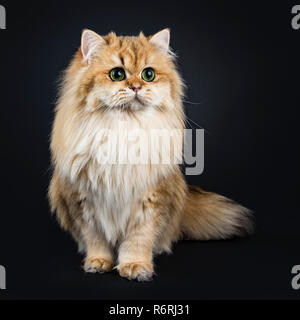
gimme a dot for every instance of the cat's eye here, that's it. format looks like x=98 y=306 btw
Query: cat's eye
x=148 y=74
x=117 y=74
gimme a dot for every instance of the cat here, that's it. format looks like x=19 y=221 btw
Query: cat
x=121 y=215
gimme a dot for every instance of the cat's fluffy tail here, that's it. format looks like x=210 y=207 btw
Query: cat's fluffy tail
x=208 y=216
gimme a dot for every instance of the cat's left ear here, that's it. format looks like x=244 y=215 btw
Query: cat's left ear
x=91 y=42
x=162 y=40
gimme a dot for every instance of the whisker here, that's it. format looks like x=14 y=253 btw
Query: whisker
x=190 y=102
x=200 y=127
x=189 y=123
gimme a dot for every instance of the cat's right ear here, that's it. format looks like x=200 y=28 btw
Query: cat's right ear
x=91 y=42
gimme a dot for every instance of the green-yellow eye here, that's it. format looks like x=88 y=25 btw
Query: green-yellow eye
x=148 y=74
x=117 y=74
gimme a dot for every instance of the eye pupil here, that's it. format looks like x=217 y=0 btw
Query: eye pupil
x=148 y=74
x=117 y=74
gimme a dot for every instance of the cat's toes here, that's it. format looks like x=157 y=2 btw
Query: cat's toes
x=136 y=271
x=100 y=265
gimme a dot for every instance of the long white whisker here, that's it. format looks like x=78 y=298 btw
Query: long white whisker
x=187 y=119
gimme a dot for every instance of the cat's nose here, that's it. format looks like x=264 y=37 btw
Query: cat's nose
x=135 y=89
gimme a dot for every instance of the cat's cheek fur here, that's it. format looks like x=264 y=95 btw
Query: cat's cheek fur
x=161 y=93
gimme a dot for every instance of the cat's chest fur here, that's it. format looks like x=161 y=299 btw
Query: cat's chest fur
x=114 y=191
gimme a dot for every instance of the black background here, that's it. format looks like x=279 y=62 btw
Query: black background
x=240 y=61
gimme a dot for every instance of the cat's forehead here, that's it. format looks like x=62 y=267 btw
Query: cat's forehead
x=131 y=52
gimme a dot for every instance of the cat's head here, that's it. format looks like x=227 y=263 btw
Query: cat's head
x=126 y=73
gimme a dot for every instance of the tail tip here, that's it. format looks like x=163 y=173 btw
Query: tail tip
x=244 y=222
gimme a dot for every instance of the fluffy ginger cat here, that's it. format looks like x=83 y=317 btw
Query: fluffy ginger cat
x=122 y=214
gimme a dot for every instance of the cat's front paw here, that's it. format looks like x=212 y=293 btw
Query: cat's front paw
x=136 y=271
x=94 y=265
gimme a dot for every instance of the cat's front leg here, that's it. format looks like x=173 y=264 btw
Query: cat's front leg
x=135 y=259
x=135 y=256
x=99 y=254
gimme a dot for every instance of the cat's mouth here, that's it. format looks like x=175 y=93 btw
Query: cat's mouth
x=134 y=103
x=139 y=100
x=130 y=102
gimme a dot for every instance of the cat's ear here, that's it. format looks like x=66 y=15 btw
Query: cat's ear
x=91 y=42
x=162 y=40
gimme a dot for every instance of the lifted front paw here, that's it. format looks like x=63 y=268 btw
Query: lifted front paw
x=136 y=271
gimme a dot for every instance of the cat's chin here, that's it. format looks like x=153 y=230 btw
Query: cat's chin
x=137 y=104
x=133 y=105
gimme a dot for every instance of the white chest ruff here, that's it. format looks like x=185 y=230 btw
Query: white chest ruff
x=114 y=192
x=112 y=207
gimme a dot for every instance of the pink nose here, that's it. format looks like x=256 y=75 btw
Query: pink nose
x=135 y=89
